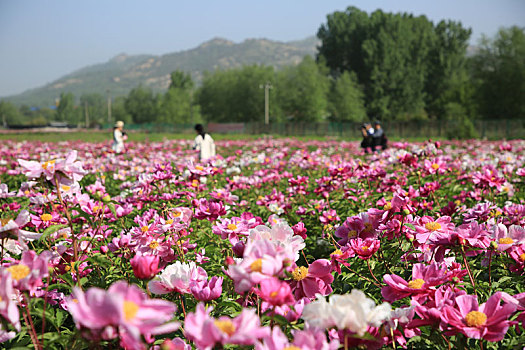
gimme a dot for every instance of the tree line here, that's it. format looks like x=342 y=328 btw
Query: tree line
x=385 y=66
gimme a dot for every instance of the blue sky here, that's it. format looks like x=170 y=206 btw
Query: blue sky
x=42 y=40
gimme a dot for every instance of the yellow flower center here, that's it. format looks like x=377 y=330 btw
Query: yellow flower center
x=169 y=222
x=432 y=226
x=232 y=227
x=256 y=266
x=435 y=166
x=46 y=217
x=45 y=165
x=337 y=252
x=352 y=233
x=198 y=167
x=144 y=229
x=300 y=273
x=522 y=257
x=506 y=240
x=225 y=326
x=130 y=310
x=292 y=347
x=273 y=294
x=4 y=221
x=330 y=217
x=195 y=183
x=154 y=245
x=475 y=319
x=368 y=227
x=176 y=214
x=19 y=271
x=365 y=248
x=65 y=187
x=97 y=208
x=416 y=284
x=387 y=206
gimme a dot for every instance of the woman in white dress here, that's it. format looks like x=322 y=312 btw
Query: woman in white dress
x=118 y=137
x=204 y=144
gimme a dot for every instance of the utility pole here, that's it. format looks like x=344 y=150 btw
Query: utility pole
x=109 y=106
x=267 y=86
x=86 y=114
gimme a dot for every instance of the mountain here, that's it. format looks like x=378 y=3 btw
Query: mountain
x=122 y=73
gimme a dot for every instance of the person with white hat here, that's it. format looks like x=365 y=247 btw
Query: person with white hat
x=118 y=137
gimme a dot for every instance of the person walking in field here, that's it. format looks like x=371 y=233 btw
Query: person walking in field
x=119 y=136
x=204 y=144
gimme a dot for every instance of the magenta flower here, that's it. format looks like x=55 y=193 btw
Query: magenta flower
x=312 y=280
x=206 y=291
x=430 y=230
x=209 y=210
x=488 y=321
x=275 y=292
x=365 y=248
x=424 y=279
x=145 y=267
x=206 y=331
x=299 y=230
x=507 y=238
x=12 y=229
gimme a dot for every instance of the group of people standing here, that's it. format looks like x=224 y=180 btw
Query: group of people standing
x=374 y=138
x=204 y=143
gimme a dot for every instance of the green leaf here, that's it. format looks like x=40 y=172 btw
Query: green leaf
x=50 y=230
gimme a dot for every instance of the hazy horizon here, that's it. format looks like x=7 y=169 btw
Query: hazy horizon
x=42 y=41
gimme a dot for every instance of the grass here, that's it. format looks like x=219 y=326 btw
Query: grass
x=101 y=136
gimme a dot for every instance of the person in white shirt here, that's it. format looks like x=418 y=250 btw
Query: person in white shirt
x=118 y=137
x=204 y=144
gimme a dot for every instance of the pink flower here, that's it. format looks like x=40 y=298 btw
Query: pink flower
x=506 y=238
x=308 y=339
x=262 y=260
x=365 y=248
x=299 y=230
x=488 y=321
x=206 y=291
x=145 y=267
x=209 y=210
x=177 y=278
x=29 y=272
x=8 y=308
x=430 y=230
x=123 y=309
x=436 y=166
x=13 y=229
x=312 y=280
x=424 y=278
x=206 y=331
x=329 y=216
x=275 y=292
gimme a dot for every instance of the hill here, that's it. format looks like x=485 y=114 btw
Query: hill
x=123 y=72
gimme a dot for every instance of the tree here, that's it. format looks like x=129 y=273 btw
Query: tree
x=66 y=108
x=499 y=70
x=177 y=104
x=347 y=99
x=235 y=95
x=447 y=82
x=302 y=91
x=392 y=56
x=9 y=114
x=141 y=105
x=96 y=108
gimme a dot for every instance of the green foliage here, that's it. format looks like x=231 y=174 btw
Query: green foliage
x=403 y=62
x=141 y=104
x=66 y=111
x=235 y=95
x=499 y=69
x=346 y=99
x=94 y=106
x=302 y=91
x=9 y=114
x=177 y=104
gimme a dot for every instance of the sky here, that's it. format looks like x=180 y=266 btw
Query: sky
x=42 y=40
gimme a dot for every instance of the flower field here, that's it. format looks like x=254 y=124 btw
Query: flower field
x=275 y=244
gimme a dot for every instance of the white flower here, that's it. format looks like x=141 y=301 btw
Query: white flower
x=177 y=278
x=354 y=311
x=281 y=235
